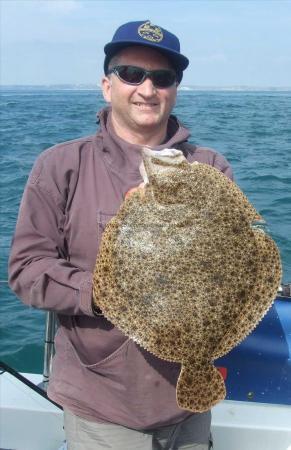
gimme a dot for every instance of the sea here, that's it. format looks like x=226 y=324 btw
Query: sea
x=251 y=128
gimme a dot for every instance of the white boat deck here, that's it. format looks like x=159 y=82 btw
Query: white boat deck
x=30 y=422
x=27 y=420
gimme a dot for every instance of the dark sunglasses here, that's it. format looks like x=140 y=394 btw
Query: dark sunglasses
x=161 y=78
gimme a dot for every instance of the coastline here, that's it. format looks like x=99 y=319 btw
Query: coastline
x=93 y=87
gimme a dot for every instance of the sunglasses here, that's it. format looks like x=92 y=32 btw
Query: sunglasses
x=161 y=78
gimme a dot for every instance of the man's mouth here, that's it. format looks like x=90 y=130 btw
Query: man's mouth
x=145 y=105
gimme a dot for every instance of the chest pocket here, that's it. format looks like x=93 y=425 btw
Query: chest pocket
x=102 y=220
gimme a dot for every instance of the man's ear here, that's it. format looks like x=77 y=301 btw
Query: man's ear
x=106 y=89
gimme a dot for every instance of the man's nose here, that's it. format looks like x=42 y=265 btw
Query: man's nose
x=146 y=88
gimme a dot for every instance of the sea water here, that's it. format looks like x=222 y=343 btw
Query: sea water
x=251 y=129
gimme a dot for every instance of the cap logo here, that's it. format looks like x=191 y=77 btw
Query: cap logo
x=150 y=32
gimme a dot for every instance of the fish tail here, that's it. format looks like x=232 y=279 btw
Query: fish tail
x=198 y=389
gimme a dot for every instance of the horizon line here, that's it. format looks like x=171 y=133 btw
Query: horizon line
x=185 y=87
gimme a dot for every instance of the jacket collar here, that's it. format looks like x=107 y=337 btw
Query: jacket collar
x=124 y=156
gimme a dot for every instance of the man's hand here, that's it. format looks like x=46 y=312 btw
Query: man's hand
x=139 y=188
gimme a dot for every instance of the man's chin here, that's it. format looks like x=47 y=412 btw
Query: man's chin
x=148 y=122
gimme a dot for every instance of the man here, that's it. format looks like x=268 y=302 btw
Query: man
x=114 y=394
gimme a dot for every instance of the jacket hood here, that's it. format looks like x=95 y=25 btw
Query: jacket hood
x=121 y=154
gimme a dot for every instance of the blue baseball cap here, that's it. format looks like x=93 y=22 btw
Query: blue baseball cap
x=146 y=34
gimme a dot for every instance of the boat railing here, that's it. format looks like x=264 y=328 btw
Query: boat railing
x=49 y=347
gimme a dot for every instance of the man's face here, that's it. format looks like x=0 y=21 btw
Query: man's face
x=141 y=107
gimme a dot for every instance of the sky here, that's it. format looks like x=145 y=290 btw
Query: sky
x=229 y=43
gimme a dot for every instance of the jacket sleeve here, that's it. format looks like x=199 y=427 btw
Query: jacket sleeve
x=221 y=163
x=215 y=159
x=39 y=273
x=209 y=156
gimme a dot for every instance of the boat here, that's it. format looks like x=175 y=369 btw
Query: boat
x=256 y=414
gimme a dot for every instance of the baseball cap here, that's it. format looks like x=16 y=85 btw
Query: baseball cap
x=146 y=34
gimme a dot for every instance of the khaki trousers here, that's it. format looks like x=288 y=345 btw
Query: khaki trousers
x=82 y=434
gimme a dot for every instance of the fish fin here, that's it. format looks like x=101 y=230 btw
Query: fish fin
x=200 y=389
x=260 y=297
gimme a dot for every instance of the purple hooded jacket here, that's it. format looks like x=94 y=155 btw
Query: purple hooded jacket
x=74 y=189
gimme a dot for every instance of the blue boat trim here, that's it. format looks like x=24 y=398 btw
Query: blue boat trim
x=259 y=369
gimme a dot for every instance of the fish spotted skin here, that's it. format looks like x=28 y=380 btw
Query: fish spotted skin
x=183 y=273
